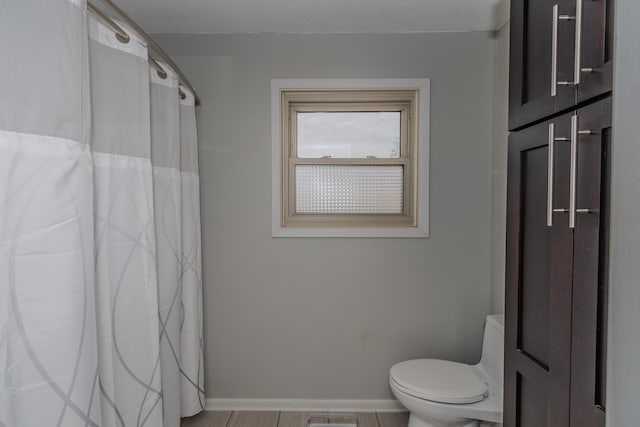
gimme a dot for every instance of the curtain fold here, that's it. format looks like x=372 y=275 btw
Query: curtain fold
x=126 y=278
x=48 y=350
x=191 y=333
x=165 y=156
x=100 y=283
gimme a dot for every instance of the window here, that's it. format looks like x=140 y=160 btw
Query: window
x=351 y=158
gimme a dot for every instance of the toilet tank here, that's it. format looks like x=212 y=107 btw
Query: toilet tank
x=493 y=348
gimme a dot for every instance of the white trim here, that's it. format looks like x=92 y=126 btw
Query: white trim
x=423 y=85
x=317 y=405
x=382 y=232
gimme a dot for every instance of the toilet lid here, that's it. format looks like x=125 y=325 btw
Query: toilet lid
x=439 y=381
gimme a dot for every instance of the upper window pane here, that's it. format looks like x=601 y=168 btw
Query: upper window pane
x=349 y=134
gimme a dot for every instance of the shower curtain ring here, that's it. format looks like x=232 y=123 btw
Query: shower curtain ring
x=161 y=72
x=121 y=34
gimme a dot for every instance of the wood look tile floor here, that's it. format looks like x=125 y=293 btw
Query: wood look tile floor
x=286 y=419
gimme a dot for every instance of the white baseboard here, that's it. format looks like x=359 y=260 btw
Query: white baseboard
x=313 y=405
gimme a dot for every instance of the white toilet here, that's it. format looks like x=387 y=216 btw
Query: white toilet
x=439 y=393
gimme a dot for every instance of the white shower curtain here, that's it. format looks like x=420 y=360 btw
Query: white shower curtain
x=126 y=283
x=165 y=155
x=100 y=284
x=192 y=345
x=48 y=342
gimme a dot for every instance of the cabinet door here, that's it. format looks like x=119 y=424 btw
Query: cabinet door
x=596 y=62
x=538 y=277
x=541 y=59
x=591 y=237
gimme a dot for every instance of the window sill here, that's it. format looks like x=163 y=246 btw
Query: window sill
x=390 y=232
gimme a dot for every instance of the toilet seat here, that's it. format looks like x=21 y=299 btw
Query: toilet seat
x=439 y=381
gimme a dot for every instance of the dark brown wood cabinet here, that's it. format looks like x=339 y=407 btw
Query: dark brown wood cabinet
x=538 y=282
x=556 y=281
x=558 y=213
x=536 y=44
x=561 y=53
x=596 y=49
x=590 y=266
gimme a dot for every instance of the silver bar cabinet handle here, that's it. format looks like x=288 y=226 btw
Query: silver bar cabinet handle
x=554 y=46
x=577 y=71
x=552 y=138
x=554 y=52
x=573 y=171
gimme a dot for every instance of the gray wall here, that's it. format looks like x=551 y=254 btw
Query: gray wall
x=326 y=318
x=624 y=316
x=501 y=134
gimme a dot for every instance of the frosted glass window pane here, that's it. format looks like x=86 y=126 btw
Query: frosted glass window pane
x=348 y=189
x=349 y=134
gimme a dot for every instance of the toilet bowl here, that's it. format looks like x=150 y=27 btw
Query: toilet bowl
x=440 y=393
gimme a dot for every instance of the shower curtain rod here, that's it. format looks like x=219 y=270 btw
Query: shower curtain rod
x=122 y=35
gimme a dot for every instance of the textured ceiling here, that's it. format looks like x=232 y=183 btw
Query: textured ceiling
x=315 y=16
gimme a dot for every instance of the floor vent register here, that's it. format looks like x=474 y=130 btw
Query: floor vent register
x=333 y=420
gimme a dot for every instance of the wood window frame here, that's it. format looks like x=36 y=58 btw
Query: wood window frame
x=297 y=101
x=408 y=96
